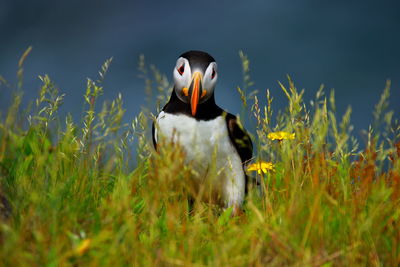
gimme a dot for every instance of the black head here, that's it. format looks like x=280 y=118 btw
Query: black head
x=198 y=59
x=195 y=77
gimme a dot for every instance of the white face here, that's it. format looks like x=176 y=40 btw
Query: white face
x=184 y=75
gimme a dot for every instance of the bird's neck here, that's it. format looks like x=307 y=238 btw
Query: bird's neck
x=205 y=111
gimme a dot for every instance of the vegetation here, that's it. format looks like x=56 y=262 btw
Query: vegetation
x=96 y=193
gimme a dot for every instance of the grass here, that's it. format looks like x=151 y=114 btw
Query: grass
x=95 y=192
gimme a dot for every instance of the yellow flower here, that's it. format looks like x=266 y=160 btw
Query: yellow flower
x=281 y=136
x=83 y=246
x=261 y=166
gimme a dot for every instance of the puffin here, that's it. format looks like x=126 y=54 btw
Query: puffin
x=215 y=144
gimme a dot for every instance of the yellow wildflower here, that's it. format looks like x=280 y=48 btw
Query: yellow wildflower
x=281 y=136
x=261 y=167
x=83 y=247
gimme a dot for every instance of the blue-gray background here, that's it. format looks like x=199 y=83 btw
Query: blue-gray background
x=351 y=46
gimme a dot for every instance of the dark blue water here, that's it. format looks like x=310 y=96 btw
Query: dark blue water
x=351 y=46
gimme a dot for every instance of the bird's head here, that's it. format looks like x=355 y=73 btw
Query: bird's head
x=195 y=76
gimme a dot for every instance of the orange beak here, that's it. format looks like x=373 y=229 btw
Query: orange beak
x=194 y=100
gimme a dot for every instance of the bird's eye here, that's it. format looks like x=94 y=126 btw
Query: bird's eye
x=181 y=69
x=213 y=73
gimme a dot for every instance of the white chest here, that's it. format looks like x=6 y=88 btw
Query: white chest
x=206 y=143
x=200 y=139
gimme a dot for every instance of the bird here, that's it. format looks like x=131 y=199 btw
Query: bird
x=207 y=134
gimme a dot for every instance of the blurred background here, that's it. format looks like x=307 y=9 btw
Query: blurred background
x=350 y=46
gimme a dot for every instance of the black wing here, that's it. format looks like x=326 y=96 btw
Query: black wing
x=241 y=141
x=153 y=133
x=240 y=138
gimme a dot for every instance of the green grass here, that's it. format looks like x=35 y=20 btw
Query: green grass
x=77 y=199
